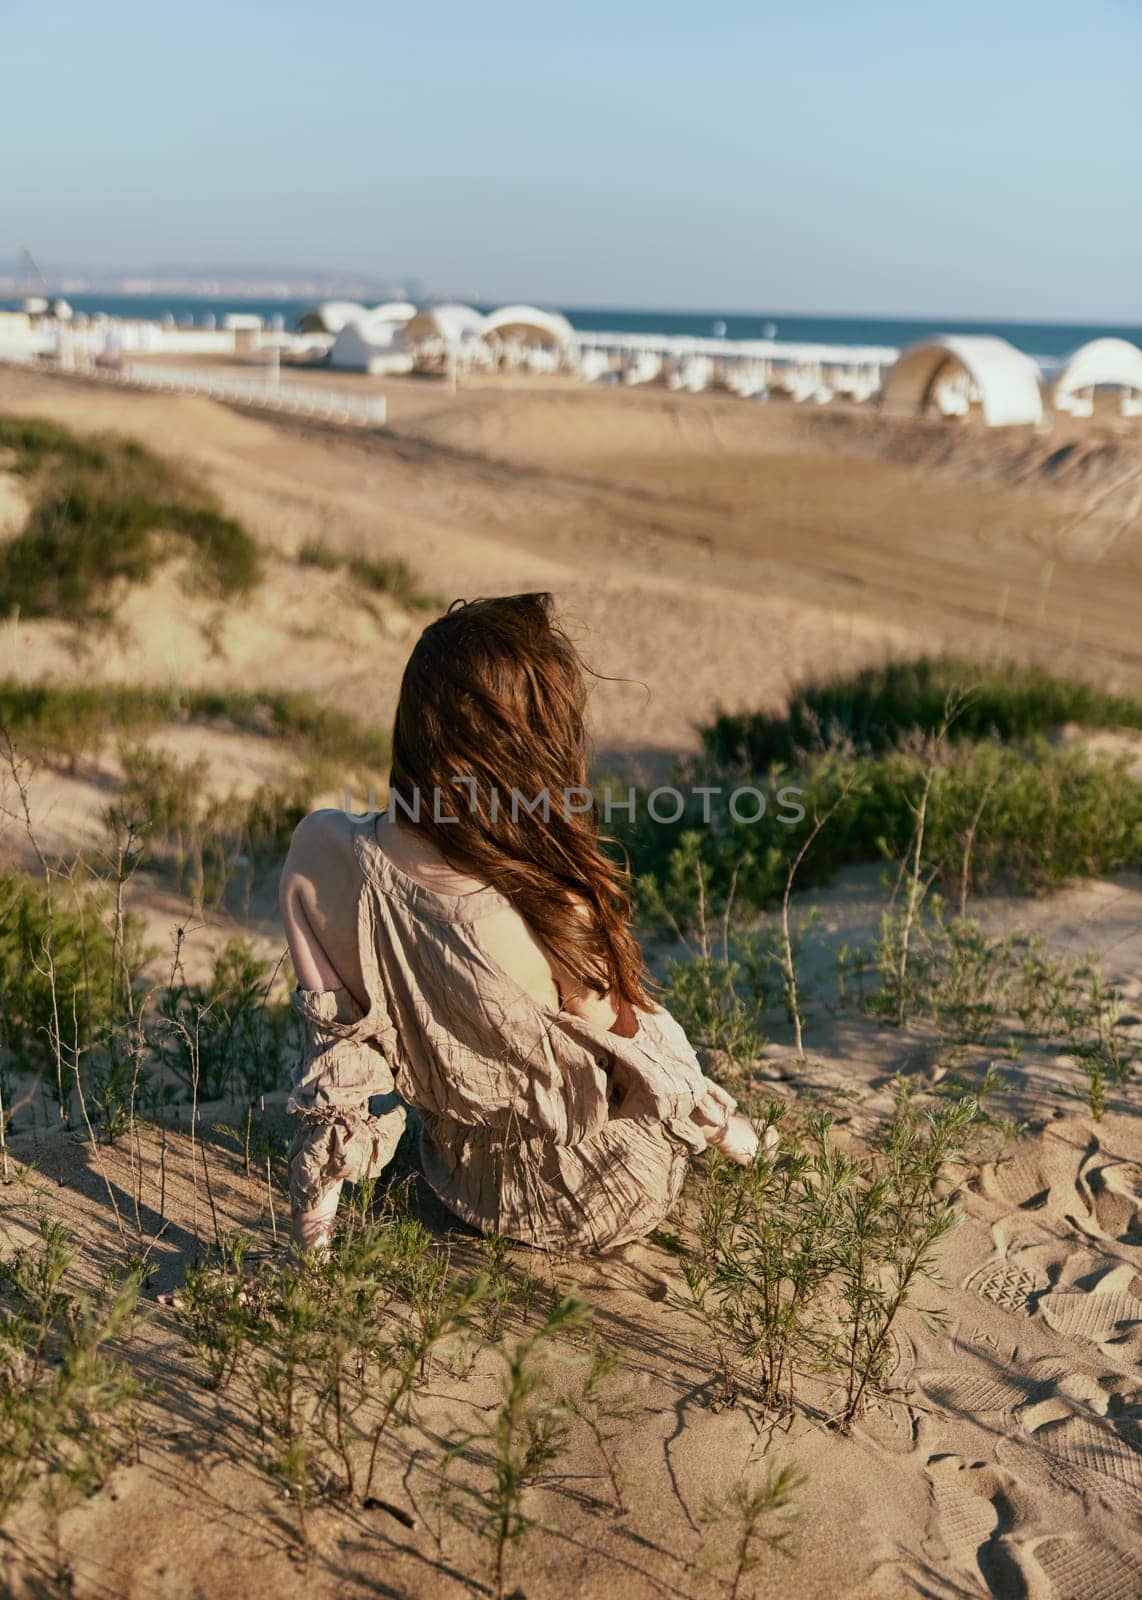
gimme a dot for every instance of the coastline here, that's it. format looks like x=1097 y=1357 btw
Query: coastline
x=1045 y=340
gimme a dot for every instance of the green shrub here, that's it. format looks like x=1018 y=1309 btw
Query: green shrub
x=34 y=440
x=1045 y=815
x=330 y=1353
x=106 y=511
x=604 y=1413
x=762 y=1518
x=326 y=733
x=392 y=577
x=318 y=552
x=61 y=973
x=66 y=1405
x=719 y=1004
x=208 y=843
x=525 y=1435
x=804 y=1260
x=69 y=721
x=227 y=1037
x=990 y=991
x=66 y=722
x=875 y=708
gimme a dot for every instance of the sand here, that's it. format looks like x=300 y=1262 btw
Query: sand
x=1002 y=1458
x=708 y=553
x=800 y=543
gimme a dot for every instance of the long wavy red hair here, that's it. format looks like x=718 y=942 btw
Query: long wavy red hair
x=494 y=695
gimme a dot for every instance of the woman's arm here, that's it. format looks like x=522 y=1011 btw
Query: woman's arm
x=733 y=1136
x=337 y=1136
x=608 y=1011
x=317 y=896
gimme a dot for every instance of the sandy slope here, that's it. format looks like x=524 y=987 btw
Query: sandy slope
x=714 y=551
x=707 y=553
x=1003 y=1460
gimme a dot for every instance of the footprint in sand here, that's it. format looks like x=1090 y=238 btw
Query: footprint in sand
x=1081 y=1569
x=1105 y=1312
x=1038 y=1174
x=1077 y=1293
x=984 y=1391
x=1083 y=1314
x=1087 y=1436
x=1116 y=1197
x=975 y=1512
x=1105 y=1463
x=1070 y=1181
x=1007 y=1283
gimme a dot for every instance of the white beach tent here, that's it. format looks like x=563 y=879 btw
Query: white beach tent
x=644 y=366
x=453 y=325
x=21 y=336
x=1101 y=364
x=449 y=336
x=965 y=367
x=596 y=364
x=331 y=316
x=398 y=311
x=372 y=345
x=692 y=373
x=529 y=327
x=747 y=379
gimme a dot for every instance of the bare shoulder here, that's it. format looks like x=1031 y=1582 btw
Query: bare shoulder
x=321 y=851
x=321 y=831
x=319 y=896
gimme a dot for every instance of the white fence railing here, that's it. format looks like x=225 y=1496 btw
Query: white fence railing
x=730 y=350
x=297 y=399
x=268 y=393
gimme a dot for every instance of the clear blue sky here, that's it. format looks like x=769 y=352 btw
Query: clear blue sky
x=982 y=157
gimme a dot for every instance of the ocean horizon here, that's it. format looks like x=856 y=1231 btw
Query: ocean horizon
x=1051 y=341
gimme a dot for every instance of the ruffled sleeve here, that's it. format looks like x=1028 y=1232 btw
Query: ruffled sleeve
x=339 y=1071
x=655 y=1075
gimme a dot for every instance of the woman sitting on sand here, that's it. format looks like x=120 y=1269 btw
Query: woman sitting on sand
x=474 y=954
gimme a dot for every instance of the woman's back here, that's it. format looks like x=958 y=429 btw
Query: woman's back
x=479 y=959
x=536 y=1122
x=320 y=890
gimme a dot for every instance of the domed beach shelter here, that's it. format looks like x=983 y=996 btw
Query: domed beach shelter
x=450 y=324
x=953 y=372
x=374 y=345
x=447 y=336
x=330 y=317
x=398 y=311
x=528 y=325
x=1101 y=364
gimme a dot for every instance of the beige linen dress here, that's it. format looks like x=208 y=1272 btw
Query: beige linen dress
x=534 y=1124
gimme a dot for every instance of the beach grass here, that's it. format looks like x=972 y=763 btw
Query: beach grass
x=64 y=723
x=1028 y=819
x=395 y=578
x=318 y=552
x=106 y=512
x=1007 y=806
x=388 y=575
x=875 y=708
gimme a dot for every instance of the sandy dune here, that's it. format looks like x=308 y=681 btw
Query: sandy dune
x=799 y=543
x=1002 y=1459
x=706 y=553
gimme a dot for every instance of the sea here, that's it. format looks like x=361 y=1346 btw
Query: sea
x=1049 y=341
